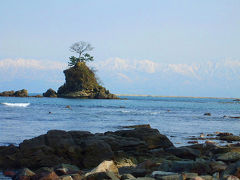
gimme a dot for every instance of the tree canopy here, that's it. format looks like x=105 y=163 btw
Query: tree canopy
x=81 y=48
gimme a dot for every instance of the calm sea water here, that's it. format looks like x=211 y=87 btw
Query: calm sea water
x=177 y=118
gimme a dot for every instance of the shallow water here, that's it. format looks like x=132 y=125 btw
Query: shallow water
x=177 y=118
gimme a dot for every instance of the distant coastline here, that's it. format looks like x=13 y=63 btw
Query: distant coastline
x=142 y=95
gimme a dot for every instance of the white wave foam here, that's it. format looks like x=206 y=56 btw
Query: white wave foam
x=16 y=104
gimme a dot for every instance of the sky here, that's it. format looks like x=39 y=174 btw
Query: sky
x=152 y=47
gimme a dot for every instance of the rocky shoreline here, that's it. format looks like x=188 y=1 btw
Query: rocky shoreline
x=137 y=153
x=19 y=93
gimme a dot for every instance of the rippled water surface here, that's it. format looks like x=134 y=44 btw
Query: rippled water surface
x=177 y=118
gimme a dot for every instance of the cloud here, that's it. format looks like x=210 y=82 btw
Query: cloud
x=30 y=71
x=124 y=77
x=30 y=63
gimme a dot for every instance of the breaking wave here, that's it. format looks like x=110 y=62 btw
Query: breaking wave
x=16 y=104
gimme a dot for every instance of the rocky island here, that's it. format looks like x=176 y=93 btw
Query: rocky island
x=82 y=83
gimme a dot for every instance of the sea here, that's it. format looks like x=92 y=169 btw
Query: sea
x=176 y=117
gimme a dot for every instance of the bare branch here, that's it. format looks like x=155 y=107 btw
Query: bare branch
x=80 y=48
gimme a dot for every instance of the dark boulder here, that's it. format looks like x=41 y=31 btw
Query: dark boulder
x=81 y=148
x=50 y=93
x=200 y=167
x=184 y=152
x=151 y=137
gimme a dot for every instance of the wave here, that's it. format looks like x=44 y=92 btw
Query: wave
x=16 y=104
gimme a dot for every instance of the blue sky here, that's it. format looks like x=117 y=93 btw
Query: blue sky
x=188 y=48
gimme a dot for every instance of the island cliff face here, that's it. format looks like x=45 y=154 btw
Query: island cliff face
x=82 y=83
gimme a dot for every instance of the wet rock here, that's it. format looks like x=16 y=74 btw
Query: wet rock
x=207 y=114
x=224 y=134
x=147 y=164
x=101 y=176
x=207 y=177
x=138 y=126
x=229 y=156
x=171 y=177
x=159 y=174
x=184 y=152
x=210 y=143
x=217 y=166
x=96 y=151
x=127 y=176
x=134 y=171
x=192 y=142
x=68 y=107
x=231 y=169
x=125 y=144
x=58 y=139
x=50 y=93
x=230 y=138
x=84 y=149
x=44 y=170
x=234 y=117
x=152 y=137
x=200 y=166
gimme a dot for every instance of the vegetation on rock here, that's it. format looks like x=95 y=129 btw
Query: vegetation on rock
x=80 y=48
x=81 y=81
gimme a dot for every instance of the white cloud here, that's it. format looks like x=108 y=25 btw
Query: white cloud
x=124 y=77
x=30 y=63
x=31 y=69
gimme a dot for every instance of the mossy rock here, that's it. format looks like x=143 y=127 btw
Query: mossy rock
x=81 y=82
x=50 y=93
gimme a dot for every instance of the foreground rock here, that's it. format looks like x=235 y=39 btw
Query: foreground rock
x=140 y=153
x=82 y=83
x=82 y=148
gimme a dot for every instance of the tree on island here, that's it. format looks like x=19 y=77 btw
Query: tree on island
x=80 y=48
